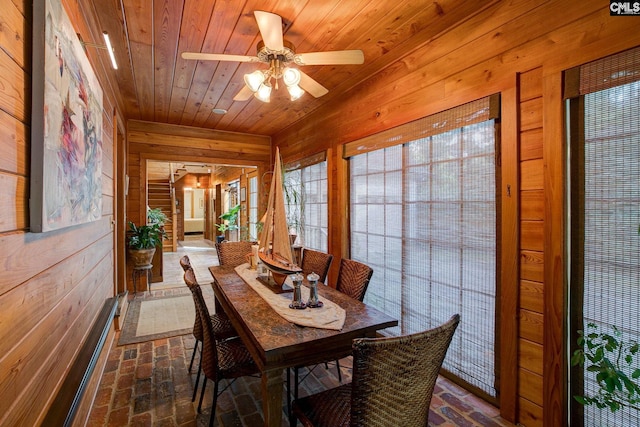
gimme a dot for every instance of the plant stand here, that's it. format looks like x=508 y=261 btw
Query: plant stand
x=142 y=270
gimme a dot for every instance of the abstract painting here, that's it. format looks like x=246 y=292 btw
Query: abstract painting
x=66 y=137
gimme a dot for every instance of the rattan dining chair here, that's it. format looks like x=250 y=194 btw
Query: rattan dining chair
x=353 y=280
x=233 y=253
x=227 y=359
x=392 y=383
x=185 y=263
x=222 y=327
x=316 y=262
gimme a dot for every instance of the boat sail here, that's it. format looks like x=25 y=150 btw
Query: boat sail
x=274 y=247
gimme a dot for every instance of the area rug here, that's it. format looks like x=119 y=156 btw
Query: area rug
x=154 y=318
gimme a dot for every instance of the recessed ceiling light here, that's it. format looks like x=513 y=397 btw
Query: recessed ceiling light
x=219 y=111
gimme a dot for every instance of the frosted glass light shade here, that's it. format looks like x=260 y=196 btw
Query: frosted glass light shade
x=264 y=92
x=291 y=76
x=295 y=91
x=254 y=80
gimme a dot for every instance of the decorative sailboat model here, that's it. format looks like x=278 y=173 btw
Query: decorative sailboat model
x=274 y=248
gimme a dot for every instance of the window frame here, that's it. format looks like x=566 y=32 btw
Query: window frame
x=408 y=132
x=301 y=165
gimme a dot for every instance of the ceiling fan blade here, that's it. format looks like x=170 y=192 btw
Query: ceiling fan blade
x=218 y=57
x=244 y=94
x=312 y=86
x=336 y=57
x=270 y=26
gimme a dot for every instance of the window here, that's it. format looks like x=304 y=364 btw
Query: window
x=306 y=197
x=423 y=216
x=604 y=157
x=231 y=200
x=253 y=207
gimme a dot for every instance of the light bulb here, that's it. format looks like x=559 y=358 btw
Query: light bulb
x=254 y=80
x=110 y=50
x=264 y=92
x=295 y=91
x=291 y=76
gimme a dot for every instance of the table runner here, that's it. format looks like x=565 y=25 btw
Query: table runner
x=329 y=316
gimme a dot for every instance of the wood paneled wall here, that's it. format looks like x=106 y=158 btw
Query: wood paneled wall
x=54 y=284
x=518 y=49
x=531 y=289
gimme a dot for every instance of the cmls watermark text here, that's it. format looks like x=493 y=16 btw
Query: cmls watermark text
x=624 y=8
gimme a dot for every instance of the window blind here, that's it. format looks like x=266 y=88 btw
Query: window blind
x=605 y=211
x=463 y=115
x=308 y=178
x=253 y=208
x=424 y=217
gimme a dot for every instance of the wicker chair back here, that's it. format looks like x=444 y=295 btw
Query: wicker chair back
x=392 y=383
x=316 y=262
x=233 y=253
x=353 y=278
x=393 y=378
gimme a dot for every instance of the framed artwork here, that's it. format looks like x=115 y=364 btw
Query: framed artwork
x=243 y=194
x=66 y=130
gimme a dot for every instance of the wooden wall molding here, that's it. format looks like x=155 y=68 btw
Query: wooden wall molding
x=555 y=305
x=507 y=291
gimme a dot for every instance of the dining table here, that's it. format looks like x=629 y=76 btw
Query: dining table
x=276 y=343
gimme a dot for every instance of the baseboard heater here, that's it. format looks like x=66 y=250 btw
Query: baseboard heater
x=64 y=406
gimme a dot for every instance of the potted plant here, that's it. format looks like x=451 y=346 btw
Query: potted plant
x=229 y=222
x=143 y=239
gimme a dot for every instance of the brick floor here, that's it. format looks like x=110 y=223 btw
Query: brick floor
x=148 y=384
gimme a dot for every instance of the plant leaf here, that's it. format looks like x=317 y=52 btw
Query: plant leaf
x=581 y=400
x=610 y=384
x=578 y=358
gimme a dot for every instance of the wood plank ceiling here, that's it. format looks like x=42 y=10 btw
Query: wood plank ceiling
x=154 y=83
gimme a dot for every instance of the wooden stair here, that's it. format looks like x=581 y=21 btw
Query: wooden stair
x=159 y=196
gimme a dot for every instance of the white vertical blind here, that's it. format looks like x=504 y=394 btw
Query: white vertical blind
x=423 y=216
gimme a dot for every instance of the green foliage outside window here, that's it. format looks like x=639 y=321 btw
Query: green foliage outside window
x=615 y=364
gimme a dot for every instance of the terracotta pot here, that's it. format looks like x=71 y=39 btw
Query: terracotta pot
x=142 y=257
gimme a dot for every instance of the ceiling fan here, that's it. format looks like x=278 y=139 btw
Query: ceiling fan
x=280 y=54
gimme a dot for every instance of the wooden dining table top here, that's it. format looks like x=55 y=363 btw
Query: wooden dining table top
x=277 y=343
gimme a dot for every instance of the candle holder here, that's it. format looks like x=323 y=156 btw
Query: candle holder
x=297 y=292
x=313 y=302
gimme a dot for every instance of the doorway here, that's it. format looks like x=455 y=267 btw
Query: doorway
x=194 y=212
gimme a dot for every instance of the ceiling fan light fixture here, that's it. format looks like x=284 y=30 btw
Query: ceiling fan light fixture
x=295 y=92
x=274 y=50
x=254 y=80
x=264 y=92
x=291 y=76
